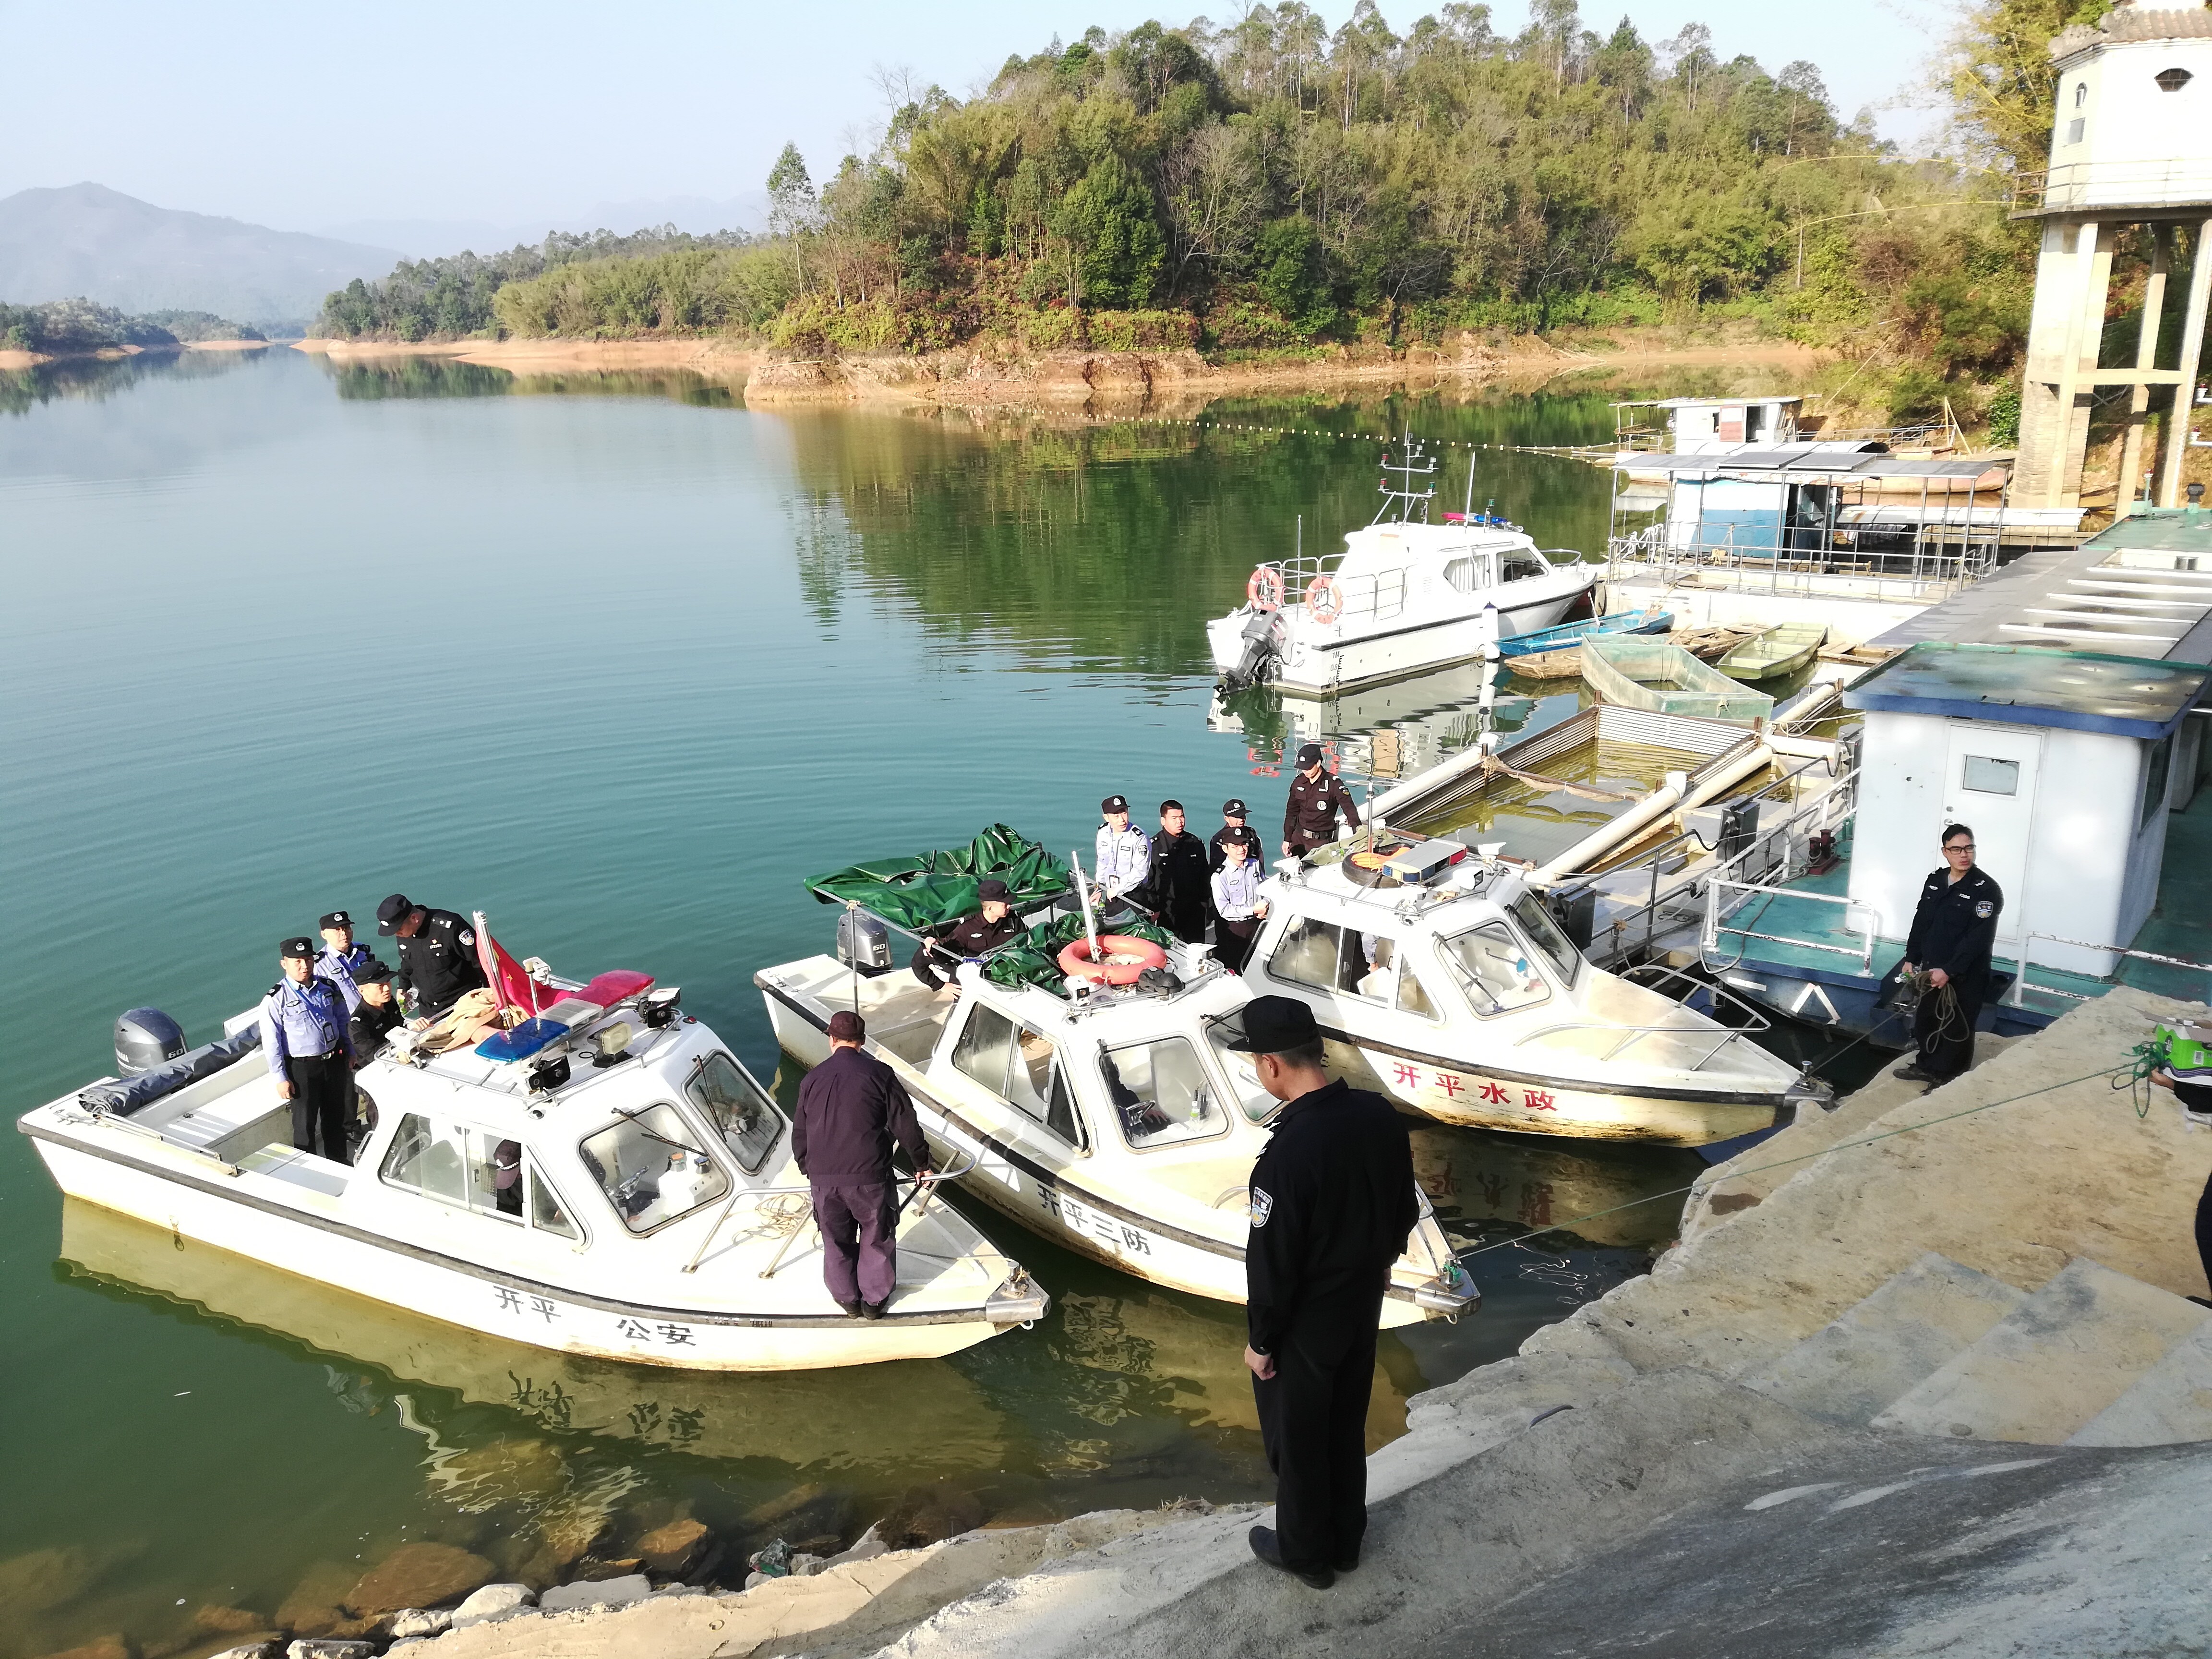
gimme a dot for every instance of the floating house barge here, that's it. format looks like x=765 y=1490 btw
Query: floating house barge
x=2062 y=718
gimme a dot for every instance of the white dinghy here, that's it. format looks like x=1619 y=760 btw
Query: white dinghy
x=650 y=1209
x=1405 y=597
x=1112 y=1120
x=1440 y=978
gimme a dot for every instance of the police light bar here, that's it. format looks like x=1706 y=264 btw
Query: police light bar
x=1423 y=862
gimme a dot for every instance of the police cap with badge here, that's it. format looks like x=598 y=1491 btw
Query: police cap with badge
x=336 y=919
x=394 y=911
x=1232 y=809
x=306 y=950
x=1115 y=804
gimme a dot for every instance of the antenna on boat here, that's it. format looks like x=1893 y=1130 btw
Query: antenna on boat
x=1416 y=464
x=1468 y=511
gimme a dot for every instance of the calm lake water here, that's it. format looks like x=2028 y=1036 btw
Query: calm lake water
x=618 y=662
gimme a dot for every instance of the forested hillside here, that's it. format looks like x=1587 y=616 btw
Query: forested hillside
x=1272 y=186
x=78 y=325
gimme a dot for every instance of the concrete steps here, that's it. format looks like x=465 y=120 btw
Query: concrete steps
x=2093 y=1358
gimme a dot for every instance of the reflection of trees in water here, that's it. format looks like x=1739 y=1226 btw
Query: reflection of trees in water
x=97 y=379
x=372 y=378
x=1113 y=542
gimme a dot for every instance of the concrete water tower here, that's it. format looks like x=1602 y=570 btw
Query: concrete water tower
x=2132 y=145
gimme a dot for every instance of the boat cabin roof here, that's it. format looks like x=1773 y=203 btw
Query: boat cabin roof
x=2033 y=685
x=1712 y=403
x=1391 y=545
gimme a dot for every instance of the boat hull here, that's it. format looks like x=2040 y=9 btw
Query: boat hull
x=1474 y=1096
x=1319 y=665
x=1054 y=1207
x=204 y=1204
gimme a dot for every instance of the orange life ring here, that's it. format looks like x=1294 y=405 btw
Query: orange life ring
x=1324 y=599
x=1125 y=957
x=1264 y=589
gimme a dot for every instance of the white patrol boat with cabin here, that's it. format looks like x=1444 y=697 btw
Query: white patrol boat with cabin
x=606 y=1179
x=1405 y=597
x=1440 y=978
x=1114 y=1121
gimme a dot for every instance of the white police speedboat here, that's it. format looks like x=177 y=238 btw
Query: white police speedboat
x=1112 y=1119
x=607 y=1180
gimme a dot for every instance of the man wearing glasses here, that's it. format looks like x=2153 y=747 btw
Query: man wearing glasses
x=1953 y=930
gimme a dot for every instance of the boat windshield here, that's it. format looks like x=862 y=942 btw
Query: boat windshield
x=1544 y=933
x=1161 y=1094
x=652 y=1170
x=747 y=1120
x=1257 y=1104
x=1495 y=968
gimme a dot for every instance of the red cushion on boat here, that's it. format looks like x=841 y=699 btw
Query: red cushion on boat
x=609 y=988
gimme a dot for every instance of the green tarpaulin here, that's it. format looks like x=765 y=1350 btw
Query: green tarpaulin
x=932 y=888
x=1035 y=959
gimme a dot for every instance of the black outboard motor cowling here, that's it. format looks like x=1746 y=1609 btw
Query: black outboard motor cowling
x=1263 y=642
x=145 y=1038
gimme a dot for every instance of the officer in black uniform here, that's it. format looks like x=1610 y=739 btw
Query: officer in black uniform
x=1332 y=1199
x=1952 y=931
x=376 y=1015
x=943 y=951
x=1316 y=797
x=437 y=955
x=1233 y=828
x=1175 y=890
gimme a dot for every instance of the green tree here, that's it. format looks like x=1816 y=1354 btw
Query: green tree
x=1997 y=77
x=1109 y=221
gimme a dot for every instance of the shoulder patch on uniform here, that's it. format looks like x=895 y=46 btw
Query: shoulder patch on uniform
x=468 y=937
x=1263 y=1205
x=1984 y=909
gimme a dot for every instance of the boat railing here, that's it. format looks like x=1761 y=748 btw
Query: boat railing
x=1374 y=596
x=795 y=1217
x=1806 y=565
x=2079 y=185
x=1654 y=975
x=2017 y=990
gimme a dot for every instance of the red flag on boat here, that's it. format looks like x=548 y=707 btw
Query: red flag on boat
x=508 y=978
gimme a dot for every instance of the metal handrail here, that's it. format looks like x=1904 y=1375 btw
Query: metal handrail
x=730 y=1204
x=1631 y=1034
x=2014 y=993
x=1710 y=940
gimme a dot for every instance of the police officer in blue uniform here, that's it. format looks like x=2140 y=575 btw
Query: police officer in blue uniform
x=305 y=1033
x=1954 y=931
x=1332 y=1199
x=341 y=961
x=1123 y=856
x=437 y=955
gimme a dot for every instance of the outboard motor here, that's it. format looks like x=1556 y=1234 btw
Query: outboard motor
x=1263 y=639
x=145 y=1038
x=863 y=943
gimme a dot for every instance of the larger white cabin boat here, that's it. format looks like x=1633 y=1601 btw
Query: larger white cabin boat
x=1440 y=978
x=1405 y=597
x=654 y=1212
x=1117 y=1125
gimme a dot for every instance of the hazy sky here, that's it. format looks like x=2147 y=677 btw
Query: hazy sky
x=316 y=117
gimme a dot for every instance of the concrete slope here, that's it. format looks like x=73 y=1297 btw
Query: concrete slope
x=2052 y=1364
x=1899 y=1551
x=1477 y=1533
x=2014 y=1192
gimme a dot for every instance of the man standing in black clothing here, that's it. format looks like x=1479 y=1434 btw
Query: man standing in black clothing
x=943 y=950
x=1175 y=890
x=1952 y=931
x=437 y=955
x=851 y=1109
x=1332 y=1199
x=1316 y=797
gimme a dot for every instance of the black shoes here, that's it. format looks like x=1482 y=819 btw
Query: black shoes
x=874 y=1309
x=1912 y=1072
x=854 y=1310
x=1264 y=1545
x=1351 y=1565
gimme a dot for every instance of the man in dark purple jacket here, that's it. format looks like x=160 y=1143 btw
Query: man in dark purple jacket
x=851 y=1111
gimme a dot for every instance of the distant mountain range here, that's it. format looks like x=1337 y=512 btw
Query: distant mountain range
x=89 y=240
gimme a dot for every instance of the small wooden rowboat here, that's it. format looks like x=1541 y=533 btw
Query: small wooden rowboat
x=1641 y=673
x=1650 y=620
x=1778 y=651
